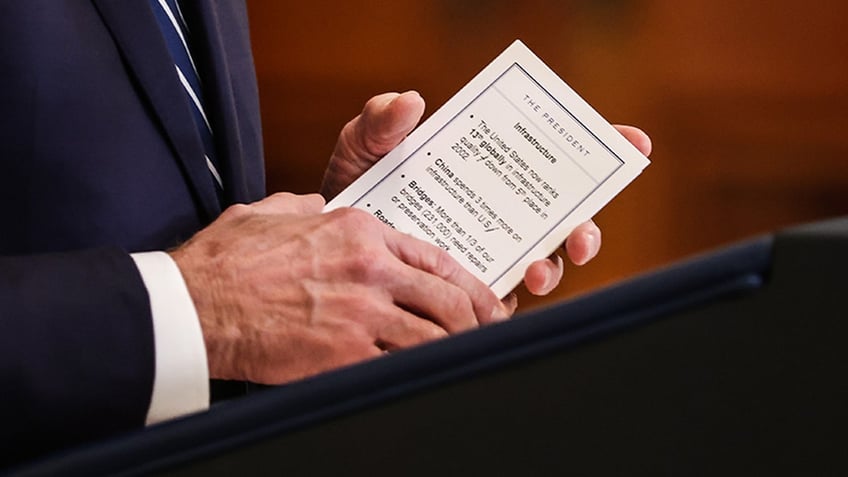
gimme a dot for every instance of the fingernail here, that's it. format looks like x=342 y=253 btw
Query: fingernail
x=552 y=276
x=500 y=313
x=595 y=245
x=592 y=247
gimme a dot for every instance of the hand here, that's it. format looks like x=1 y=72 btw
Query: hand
x=283 y=291
x=584 y=242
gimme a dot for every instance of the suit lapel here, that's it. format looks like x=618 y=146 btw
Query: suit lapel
x=222 y=52
x=138 y=37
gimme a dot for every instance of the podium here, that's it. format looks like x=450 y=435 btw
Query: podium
x=733 y=362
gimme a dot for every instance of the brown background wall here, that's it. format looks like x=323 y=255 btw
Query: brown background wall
x=746 y=101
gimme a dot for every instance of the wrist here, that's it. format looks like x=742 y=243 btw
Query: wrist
x=205 y=289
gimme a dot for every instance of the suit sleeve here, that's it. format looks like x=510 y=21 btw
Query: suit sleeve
x=76 y=349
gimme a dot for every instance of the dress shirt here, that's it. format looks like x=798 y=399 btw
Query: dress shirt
x=181 y=383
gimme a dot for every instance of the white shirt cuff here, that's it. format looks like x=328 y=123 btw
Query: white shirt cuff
x=181 y=382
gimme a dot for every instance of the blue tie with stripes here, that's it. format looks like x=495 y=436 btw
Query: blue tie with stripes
x=176 y=33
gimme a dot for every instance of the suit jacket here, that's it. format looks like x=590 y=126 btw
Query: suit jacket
x=99 y=156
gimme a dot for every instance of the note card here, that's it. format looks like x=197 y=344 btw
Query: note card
x=502 y=173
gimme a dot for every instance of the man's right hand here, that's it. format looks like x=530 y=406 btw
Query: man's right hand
x=283 y=291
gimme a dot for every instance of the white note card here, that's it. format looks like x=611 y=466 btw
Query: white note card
x=502 y=173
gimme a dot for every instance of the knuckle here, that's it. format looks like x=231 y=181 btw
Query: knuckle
x=366 y=259
x=236 y=211
x=346 y=143
x=366 y=267
x=348 y=218
x=298 y=203
x=350 y=126
x=441 y=263
x=282 y=196
x=315 y=200
x=357 y=225
x=433 y=333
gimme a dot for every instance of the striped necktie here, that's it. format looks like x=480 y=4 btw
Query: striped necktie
x=175 y=31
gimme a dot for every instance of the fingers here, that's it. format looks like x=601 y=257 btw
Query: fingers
x=543 y=276
x=407 y=330
x=583 y=243
x=380 y=321
x=637 y=137
x=455 y=306
x=427 y=295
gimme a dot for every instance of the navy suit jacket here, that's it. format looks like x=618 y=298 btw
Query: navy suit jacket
x=99 y=156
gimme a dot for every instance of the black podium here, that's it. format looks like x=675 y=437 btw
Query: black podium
x=731 y=363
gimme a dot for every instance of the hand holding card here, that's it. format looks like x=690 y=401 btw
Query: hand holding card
x=502 y=173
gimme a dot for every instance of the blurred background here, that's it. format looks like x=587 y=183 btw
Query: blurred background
x=746 y=101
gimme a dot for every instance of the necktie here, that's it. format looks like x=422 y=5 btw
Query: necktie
x=175 y=31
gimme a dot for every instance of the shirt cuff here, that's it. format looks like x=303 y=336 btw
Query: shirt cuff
x=181 y=382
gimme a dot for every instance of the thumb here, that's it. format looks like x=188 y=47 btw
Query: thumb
x=384 y=122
